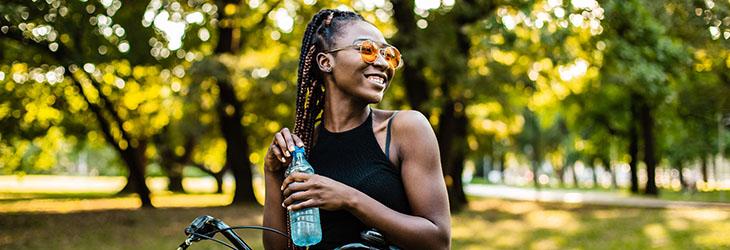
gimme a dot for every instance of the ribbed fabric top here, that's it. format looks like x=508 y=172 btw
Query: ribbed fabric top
x=354 y=158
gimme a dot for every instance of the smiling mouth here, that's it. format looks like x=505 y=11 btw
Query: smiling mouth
x=377 y=80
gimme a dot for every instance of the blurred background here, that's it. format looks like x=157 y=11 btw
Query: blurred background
x=561 y=123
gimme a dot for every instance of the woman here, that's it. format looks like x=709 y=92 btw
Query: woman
x=374 y=169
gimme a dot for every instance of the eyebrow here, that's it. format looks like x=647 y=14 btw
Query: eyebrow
x=367 y=38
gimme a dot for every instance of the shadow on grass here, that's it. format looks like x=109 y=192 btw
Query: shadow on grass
x=485 y=224
x=499 y=224
x=119 y=229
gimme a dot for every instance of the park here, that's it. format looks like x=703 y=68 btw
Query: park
x=560 y=124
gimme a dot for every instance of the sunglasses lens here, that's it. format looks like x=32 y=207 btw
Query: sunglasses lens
x=392 y=55
x=368 y=51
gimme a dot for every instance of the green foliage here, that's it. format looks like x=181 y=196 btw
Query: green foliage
x=554 y=77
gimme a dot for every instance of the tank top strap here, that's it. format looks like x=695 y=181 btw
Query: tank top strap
x=387 y=136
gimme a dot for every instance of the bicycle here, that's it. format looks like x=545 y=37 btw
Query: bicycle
x=205 y=227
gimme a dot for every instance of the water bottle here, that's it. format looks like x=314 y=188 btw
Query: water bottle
x=306 y=229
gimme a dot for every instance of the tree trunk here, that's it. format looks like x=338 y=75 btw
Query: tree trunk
x=175 y=177
x=406 y=39
x=560 y=172
x=576 y=180
x=634 y=147
x=647 y=129
x=219 y=182
x=132 y=155
x=680 y=167
x=136 y=181
x=714 y=168
x=230 y=114
x=595 y=175
x=452 y=131
x=703 y=167
x=502 y=167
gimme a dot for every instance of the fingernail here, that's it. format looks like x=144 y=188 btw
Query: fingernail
x=287 y=153
x=288 y=208
x=282 y=204
x=291 y=148
x=283 y=159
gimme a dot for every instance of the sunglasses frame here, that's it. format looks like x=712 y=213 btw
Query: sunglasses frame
x=357 y=44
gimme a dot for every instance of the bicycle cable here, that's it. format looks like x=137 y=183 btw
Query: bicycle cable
x=252 y=227
x=213 y=239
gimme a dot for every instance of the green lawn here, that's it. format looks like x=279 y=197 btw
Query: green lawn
x=486 y=224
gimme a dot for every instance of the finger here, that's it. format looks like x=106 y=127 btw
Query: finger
x=295 y=187
x=295 y=197
x=277 y=153
x=298 y=140
x=282 y=144
x=302 y=205
x=294 y=177
x=289 y=140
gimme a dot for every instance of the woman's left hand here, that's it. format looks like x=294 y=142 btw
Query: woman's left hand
x=312 y=190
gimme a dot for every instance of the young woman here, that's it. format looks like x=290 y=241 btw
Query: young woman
x=374 y=168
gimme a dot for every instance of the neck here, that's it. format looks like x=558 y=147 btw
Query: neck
x=343 y=112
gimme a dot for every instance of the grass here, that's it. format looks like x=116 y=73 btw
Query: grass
x=69 y=217
x=485 y=224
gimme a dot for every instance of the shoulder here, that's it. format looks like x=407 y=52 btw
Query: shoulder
x=402 y=119
x=409 y=120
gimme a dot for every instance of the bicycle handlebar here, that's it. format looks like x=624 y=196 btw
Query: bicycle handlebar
x=205 y=227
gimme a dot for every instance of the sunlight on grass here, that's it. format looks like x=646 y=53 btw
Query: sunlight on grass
x=501 y=224
x=657 y=234
x=553 y=219
x=104 y=220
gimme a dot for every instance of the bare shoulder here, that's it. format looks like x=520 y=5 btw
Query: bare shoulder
x=411 y=121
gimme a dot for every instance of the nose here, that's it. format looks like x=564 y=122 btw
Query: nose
x=380 y=61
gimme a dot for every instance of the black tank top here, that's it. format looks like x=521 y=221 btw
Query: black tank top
x=354 y=158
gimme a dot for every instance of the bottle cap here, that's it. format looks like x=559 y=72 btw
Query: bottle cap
x=298 y=149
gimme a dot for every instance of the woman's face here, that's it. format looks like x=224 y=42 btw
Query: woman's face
x=352 y=75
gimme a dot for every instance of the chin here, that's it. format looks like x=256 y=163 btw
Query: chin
x=374 y=99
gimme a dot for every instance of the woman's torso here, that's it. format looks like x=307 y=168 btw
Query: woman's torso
x=355 y=158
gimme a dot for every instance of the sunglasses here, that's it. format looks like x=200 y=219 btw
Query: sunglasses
x=370 y=50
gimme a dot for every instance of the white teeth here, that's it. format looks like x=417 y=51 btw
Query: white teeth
x=376 y=79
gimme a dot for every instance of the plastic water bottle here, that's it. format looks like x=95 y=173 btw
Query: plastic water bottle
x=306 y=229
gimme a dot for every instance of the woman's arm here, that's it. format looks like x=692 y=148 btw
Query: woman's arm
x=429 y=227
x=274 y=213
x=277 y=157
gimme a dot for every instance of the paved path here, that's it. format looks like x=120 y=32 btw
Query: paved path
x=582 y=197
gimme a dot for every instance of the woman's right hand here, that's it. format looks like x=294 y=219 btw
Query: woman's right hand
x=280 y=151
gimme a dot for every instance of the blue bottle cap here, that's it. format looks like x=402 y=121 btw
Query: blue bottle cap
x=298 y=149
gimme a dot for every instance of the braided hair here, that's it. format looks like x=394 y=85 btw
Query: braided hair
x=318 y=37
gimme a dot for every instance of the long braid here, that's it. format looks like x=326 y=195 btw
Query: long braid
x=318 y=37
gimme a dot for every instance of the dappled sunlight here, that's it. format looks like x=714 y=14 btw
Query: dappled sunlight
x=546 y=244
x=70 y=205
x=714 y=235
x=59 y=184
x=564 y=221
x=607 y=214
x=657 y=234
x=504 y=224
x=677 y=224
x=700 y=214
x=517 y=230
x=187 y=200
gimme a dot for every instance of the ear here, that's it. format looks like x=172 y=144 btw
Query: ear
x=325 y=61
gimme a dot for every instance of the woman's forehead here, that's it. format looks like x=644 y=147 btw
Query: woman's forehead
x=355 y=31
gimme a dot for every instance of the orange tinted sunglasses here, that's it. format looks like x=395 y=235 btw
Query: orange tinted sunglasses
x=370 y=50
